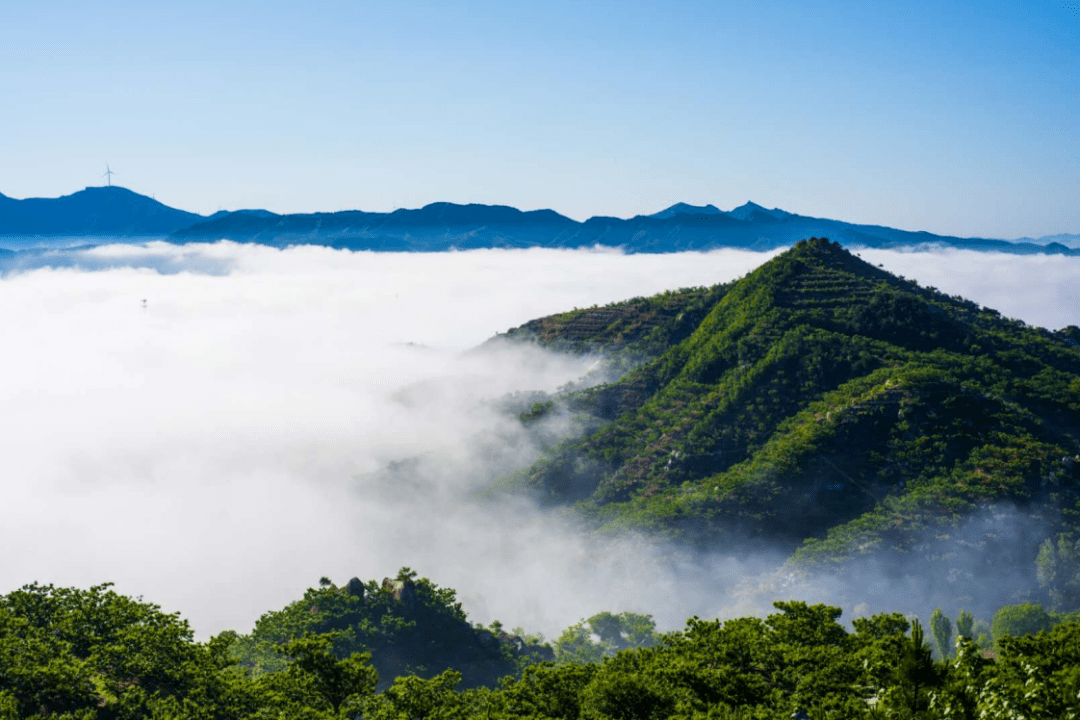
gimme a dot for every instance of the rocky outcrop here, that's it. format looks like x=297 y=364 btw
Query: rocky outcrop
x=355 y=588
x=404 y=591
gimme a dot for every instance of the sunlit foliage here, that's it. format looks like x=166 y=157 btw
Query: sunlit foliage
x=93 y=654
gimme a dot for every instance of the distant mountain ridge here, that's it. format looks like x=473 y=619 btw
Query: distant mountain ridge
x=110 y=211
x=684 y=209
x=116 y=212
x=679 y=228
x=1066 y=239
x=751 y=211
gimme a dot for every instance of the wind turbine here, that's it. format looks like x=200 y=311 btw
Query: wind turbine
x=108 y=174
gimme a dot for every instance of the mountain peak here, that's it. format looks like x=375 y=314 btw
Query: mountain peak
x=750 y=209
x=798 y=402
x=686 y=209
x=111 y=193
x=107 y=188
x=107 y=211
x=818 y=254
x=819 y=247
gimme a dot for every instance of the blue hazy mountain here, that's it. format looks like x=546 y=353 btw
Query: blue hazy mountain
x=684 y=209
x=94 y=212
x=752 y=212
x=1072 y=241
x=439 y=226
x=681 y=227
x=116 y=213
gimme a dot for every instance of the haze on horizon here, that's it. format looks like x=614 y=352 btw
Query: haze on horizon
x=958 y=119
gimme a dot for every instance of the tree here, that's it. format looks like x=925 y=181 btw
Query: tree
x=605 y=634
x=802 y=624
x=576 y=645
x=9 y=706
x=1019 y=620
x=627 y=688
x=1058 y=569
x=984 y=637
x=941 y=629
x=879 y=641
x=1035 y=676
x=624 y=630
x=314 y=666
x=68 y=650
x=965 y=624
x=959 y=697
x=38 y=670
x=548 y=691
x=413 y=697
x=915 y=676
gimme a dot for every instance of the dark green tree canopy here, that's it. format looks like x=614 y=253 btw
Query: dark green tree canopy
x=62 y=658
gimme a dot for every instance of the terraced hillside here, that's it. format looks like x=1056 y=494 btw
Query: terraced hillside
x=819 y=398
x=639 y=327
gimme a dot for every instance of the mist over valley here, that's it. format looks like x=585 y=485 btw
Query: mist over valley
x=271 y=416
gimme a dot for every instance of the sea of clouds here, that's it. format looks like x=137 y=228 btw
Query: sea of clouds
x=208 y=426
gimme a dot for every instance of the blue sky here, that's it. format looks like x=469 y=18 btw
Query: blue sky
x=959 y=117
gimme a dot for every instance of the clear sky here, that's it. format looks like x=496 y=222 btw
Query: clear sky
x=956 y=117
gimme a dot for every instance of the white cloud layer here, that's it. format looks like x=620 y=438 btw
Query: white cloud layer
x=1041 y=290
x=219 y=450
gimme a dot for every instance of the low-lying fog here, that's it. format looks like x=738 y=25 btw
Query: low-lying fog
x=215 y=450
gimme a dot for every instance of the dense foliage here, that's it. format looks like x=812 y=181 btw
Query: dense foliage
x=94 y=654
x=409 y=626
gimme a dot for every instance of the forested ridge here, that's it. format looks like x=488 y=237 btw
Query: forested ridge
x=820 y=403
x=403 y=648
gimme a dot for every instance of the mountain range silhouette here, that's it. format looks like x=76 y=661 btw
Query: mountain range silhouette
x=119 y=214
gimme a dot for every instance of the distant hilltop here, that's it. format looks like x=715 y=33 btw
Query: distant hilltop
x=117 y=213
x=94 y=212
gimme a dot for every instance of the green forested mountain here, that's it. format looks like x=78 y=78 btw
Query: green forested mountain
x=817 y=399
